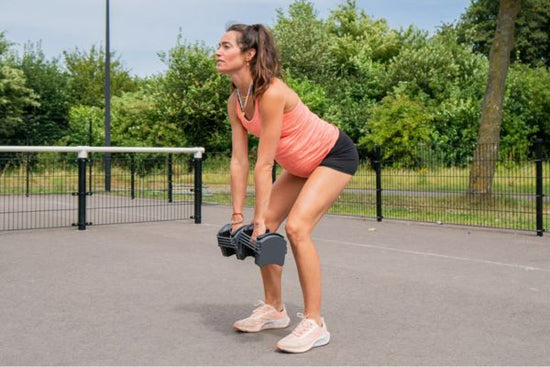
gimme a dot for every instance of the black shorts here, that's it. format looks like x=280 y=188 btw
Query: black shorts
x=343 y=157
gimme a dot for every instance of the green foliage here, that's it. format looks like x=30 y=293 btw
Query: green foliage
x=313 y=95
x=433 y=68
x=456 y=123
x=15 y=96
x=357 y=39
x=302 y=41
x=399 y=125
x=47 y=122
x=449 y=79
x=135 y=118
x=526 y=110
x=477 y=25
x=80 y=118
x=191 y=99
x=87 y=76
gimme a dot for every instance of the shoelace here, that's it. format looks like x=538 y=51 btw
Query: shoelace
x=304 y=326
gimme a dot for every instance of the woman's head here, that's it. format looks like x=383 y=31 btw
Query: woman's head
x=258 y=50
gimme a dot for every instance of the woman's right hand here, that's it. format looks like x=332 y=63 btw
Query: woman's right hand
x=236 y=226
x=237 y=221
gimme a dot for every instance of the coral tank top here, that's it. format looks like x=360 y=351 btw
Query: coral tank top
x=305 y=138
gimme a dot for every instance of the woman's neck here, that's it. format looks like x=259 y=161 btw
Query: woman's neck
x=242 y=81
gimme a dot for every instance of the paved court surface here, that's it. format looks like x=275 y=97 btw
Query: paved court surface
x=395 y=293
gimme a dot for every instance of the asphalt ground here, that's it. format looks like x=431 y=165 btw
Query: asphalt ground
x=395 y=293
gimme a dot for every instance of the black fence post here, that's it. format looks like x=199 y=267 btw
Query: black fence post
x=81 y=191
x=90 y=160
x=133 y=175
x=539 y=191
x=170 y=182
x=198 y=188
x=378 y=169
x=27 y=168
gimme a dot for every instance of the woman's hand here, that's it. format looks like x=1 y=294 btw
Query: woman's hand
x=236 y=226
x=237 y=221
x=259 y=229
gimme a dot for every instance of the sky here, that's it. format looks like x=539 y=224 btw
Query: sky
x=140 y=29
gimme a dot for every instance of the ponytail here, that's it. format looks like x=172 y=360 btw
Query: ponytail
x=264 y=66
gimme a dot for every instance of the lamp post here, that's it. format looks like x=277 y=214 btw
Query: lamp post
x=107 y=156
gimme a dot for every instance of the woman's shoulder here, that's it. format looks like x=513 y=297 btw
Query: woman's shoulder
x=279 y=90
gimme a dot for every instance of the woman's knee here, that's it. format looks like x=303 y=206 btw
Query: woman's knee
x=296 y=231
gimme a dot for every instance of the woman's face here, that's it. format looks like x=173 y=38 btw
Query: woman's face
x=229 y=56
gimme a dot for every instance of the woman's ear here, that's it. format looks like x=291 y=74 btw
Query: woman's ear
x=250 y=54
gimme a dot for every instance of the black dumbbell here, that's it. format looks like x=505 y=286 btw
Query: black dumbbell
x=227 y=241
x=268 y=248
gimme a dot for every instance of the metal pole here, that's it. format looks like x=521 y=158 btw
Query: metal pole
x=28 y=167
x=198 y=188
x=378 y=170
x=81 y=192
x=90 y=140
x=170 y=183
x=107 y=100
x=539 y=191
x=133 y=176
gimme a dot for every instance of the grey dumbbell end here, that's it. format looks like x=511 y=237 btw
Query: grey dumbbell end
x=226 y=241
x=270 y=249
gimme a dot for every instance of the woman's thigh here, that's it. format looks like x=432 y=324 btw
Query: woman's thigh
x=318 y=194
x=285 y=190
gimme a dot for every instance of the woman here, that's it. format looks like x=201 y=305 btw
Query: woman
x=317 y=159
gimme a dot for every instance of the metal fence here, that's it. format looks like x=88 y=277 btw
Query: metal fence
x=45 y=187
x=429 y=191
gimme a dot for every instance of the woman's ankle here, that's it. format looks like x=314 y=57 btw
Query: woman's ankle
x=278 y=305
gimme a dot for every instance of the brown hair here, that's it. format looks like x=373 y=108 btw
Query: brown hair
x=264 y=66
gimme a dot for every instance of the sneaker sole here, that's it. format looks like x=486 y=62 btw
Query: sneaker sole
x=318 y=343
x=279 y=324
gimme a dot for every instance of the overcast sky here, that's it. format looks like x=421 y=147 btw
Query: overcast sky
x=142 y=28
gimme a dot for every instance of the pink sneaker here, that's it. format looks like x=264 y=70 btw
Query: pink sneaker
x=308 y=334
x=263 y=317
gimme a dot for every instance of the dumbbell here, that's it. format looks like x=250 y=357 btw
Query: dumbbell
x=268 y=248
x=227 y=241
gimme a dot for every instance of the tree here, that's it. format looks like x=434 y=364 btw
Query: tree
x=532 y=35
x=15 y=96
x=47 y=122
x=400 y=125
x=526 y=112
x=448 y=79
x=486 y=152
x=87 y=76
x=302 y=41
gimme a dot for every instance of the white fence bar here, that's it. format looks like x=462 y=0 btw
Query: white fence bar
x=84 y=150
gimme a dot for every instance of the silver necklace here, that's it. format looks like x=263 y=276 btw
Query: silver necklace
x=239 y=97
